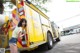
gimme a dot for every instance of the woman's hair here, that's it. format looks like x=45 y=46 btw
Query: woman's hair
x=20 y=22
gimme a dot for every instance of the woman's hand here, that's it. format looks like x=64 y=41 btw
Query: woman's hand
x=21 y=36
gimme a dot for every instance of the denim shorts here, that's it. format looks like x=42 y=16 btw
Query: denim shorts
x=13 y=41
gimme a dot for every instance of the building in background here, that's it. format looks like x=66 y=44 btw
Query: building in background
x=71 y=30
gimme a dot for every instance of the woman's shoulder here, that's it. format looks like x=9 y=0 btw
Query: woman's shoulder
x=17 y=29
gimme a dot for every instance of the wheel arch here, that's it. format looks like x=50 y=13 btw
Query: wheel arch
x=49 y=32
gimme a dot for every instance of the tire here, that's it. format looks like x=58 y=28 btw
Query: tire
x=58 y=39
x=49 y=41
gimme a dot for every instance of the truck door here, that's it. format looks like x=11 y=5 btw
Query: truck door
x=37 y=26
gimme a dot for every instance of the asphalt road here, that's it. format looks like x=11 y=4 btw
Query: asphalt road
x=68 y=44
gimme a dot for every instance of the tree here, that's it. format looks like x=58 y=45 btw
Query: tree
x=40 y=4
x=1 y=6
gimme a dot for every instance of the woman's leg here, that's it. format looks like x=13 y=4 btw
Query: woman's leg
x=13 y=48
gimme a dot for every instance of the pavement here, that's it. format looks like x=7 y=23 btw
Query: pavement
x=68 y=44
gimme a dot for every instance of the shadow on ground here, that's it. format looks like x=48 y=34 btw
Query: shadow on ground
x=41 y=49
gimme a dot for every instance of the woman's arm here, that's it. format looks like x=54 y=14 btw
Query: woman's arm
x=20 y=35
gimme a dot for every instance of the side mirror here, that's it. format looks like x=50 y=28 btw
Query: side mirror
x=58 y=27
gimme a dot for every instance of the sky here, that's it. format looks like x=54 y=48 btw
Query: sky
x=64 y=14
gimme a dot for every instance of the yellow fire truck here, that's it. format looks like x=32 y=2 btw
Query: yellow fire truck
x=39 y=30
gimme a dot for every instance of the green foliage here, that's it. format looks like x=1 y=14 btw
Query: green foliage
x=10 y=6
x=42 y=8
x=39 y=4
x=73 y=0
x=1 y=6
x=3 y=1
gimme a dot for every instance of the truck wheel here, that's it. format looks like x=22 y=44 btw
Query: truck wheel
x=50 y=41
x=58 y=39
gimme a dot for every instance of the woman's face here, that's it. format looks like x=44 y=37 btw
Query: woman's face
x=23 y=24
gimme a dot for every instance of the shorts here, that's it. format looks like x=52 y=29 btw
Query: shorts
x=13 y=41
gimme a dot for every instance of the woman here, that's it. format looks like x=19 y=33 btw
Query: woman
x=17 y=32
